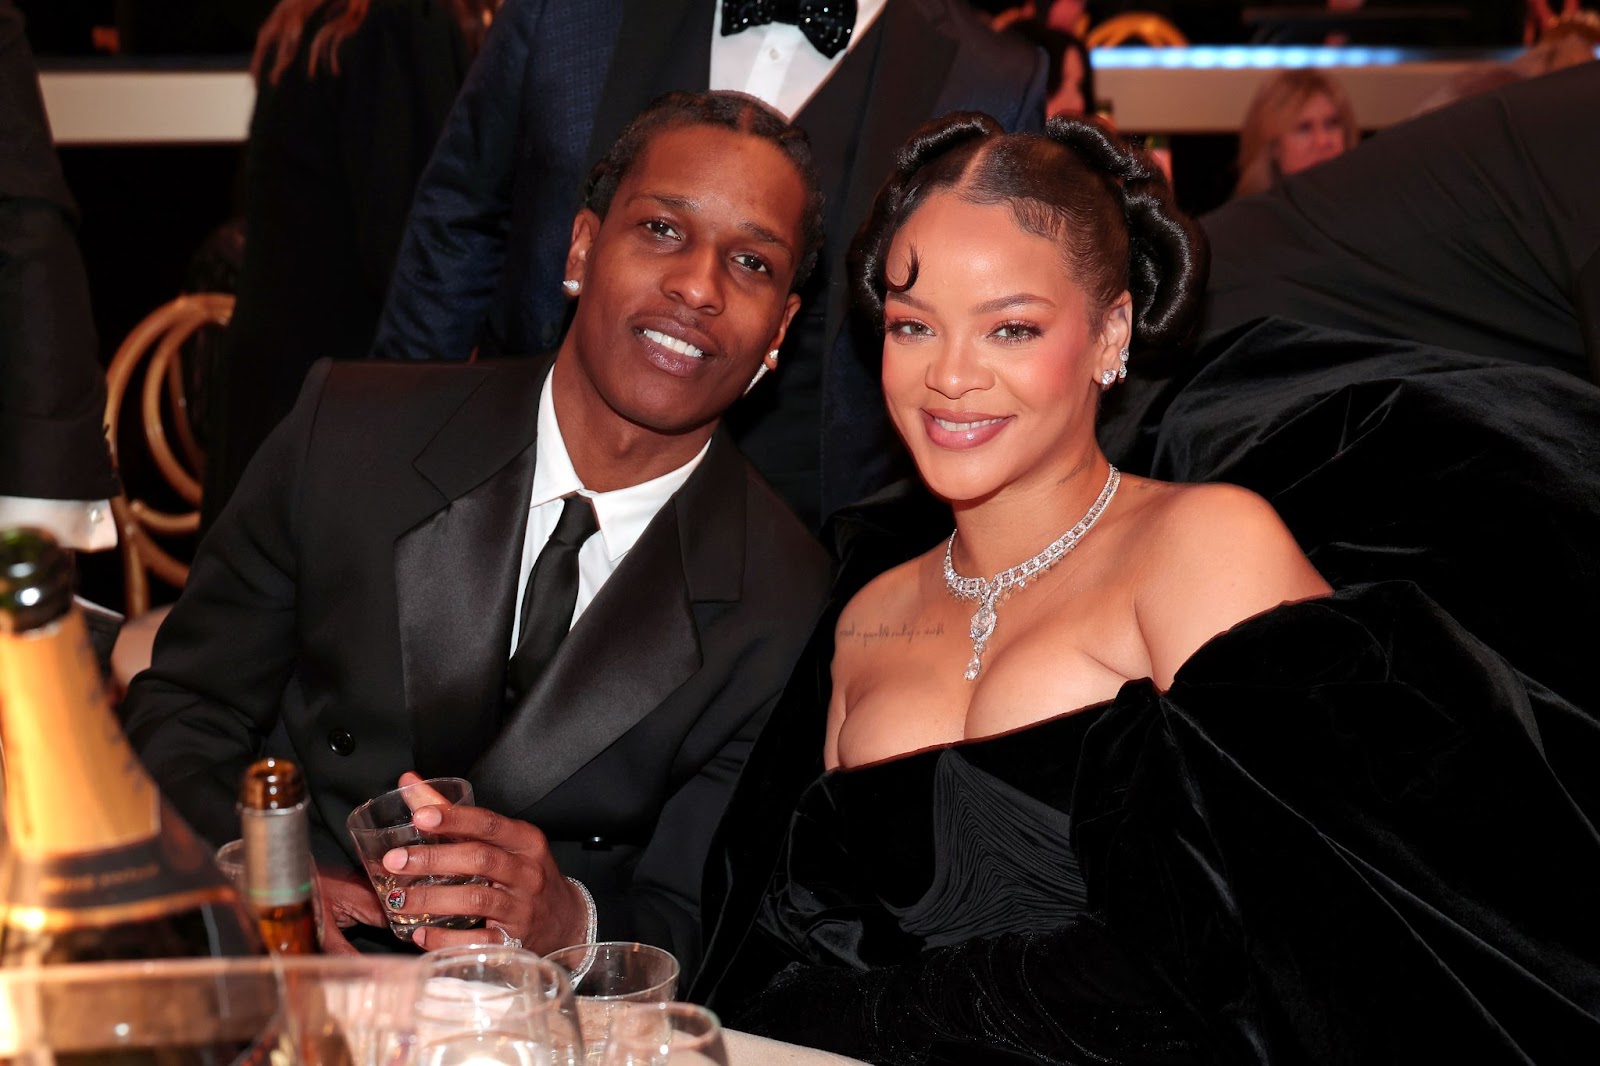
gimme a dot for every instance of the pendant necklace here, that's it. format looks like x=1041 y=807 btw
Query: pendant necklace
x=988 y=593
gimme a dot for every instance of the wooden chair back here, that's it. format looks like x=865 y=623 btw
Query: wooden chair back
x=1145 y=27
x=155 y=345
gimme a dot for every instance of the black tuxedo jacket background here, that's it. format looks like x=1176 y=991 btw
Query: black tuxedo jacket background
x=484 y=253
x=352 y=610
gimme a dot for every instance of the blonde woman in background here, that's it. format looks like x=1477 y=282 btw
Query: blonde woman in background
x=1297 y=119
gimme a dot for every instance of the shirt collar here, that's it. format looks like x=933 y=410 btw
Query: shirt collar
x=623 y=513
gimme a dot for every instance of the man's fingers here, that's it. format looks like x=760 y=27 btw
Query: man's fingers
x=424 y=795
x=473 y=858
x=477 y=823
x=479 y=901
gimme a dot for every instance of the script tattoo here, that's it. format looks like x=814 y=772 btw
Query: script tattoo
x=884 y=633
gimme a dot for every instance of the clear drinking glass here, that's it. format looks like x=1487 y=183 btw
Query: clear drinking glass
x=355 y=1009
x=484 y=1005
x=664 y=1034
x=606 y=976
x=209 y=1011
x=384 y=823
x=230 y=860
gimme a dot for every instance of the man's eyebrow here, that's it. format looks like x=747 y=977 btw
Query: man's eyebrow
x=691 y=206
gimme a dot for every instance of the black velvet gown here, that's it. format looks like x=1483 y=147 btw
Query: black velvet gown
x=1355 y=830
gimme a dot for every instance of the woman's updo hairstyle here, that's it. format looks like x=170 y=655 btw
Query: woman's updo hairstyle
x=1103 y=199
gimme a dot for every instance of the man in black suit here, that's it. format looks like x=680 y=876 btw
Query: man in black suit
x=480 y=264
x=356 y=604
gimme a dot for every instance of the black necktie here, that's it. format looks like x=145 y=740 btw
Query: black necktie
x=827 y=24
x=550 y=597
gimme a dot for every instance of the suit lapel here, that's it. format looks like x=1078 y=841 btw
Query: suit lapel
x=663 y=45
x=456 y=570
x=635 y=645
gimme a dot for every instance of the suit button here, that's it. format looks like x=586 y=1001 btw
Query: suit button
x=341 y=742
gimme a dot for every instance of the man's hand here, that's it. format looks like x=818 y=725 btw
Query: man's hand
x=526 y=895
x=345 y=898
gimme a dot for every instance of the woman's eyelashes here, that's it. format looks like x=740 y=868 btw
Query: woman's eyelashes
x=1013 y=331
x=1016 y=331
x=907 y=328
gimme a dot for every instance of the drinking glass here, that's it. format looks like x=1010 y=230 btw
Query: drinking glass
x=664 y=1034
x=214 y=1011
x=384 y=823
x=230 y=860
x=355 y=1009
x=606 y=976
x=484 y=1005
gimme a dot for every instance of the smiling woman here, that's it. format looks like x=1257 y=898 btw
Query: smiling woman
x=697 y=229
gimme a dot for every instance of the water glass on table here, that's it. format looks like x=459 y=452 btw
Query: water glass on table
x=607 y=976
x=495 y=1005
x=664 y=1034
x=384 y=823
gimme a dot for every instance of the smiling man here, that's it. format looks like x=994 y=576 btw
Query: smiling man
x=555 y=577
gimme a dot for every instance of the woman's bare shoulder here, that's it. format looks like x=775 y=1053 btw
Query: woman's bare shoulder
x=1211 y=556
x=892 y=598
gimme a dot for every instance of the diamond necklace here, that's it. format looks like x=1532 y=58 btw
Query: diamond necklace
x=987 y=593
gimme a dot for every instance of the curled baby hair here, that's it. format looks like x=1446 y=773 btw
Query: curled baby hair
x=1102 y=198
x=727 y=110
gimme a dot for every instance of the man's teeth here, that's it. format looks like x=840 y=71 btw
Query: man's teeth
x=965 y=427
x=681 y=347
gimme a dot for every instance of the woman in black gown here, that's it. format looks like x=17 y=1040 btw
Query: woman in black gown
x=1338 y=830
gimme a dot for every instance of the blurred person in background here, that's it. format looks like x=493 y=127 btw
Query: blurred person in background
x=1297 y=119
x=351 y=95
x=1070 y=81
x=55 y=470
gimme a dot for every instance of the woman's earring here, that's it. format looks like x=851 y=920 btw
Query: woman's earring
x=1122 y=371
x=1106 y=378
x=572 y=286
x=761 y=371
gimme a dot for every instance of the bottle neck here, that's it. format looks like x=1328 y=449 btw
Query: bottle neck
x=72 y=781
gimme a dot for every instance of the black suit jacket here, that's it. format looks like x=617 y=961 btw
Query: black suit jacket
x=352 y=610
x=52 y=391
x=485 y=249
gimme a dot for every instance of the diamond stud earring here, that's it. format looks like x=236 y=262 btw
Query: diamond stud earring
x=571 y=285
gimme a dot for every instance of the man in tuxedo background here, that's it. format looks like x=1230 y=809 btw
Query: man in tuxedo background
x=480 y=266
x=356 y=606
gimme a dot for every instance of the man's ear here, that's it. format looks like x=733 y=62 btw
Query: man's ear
x=585 y=228
x=790 y=306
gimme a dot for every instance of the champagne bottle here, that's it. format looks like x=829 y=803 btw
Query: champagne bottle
x=96 y=865
x=277 y=856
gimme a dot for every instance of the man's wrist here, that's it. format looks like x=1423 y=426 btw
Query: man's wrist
x=591 y=916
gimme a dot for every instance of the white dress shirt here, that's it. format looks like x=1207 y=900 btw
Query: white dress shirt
x=775 y=63
x=622 y=513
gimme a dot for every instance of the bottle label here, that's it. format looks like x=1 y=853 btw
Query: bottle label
x=124 y=884
x=277 y=856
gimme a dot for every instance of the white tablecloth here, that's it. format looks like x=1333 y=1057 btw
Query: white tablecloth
x=747 y=1050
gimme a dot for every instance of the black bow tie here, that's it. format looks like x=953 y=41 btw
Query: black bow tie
x=827 y=24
